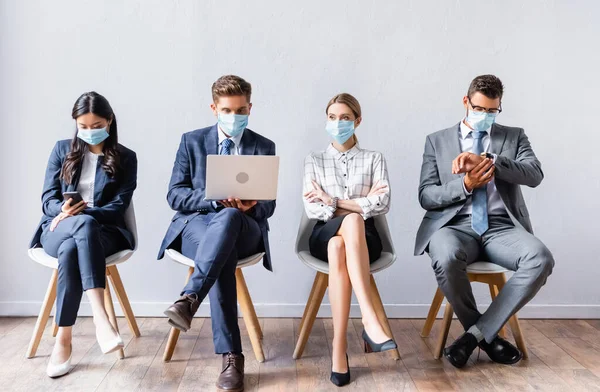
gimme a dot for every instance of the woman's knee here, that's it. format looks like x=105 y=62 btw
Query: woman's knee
x=354 y=220
x=85 y=223
x=67 y=251
x=336 y=252
x=353 y=227
x=336 y=246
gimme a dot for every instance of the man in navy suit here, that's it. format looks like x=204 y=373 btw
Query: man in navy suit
x=217 y=234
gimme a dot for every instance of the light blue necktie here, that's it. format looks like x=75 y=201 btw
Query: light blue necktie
x=479 y=214
x=226 y=146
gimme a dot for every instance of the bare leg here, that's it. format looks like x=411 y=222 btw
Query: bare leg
x=339 y=298
x=357 y=261
x=104 y=328
x=62 y=346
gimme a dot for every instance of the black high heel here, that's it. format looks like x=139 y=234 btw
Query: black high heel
x=341 y=379
x=372 y=347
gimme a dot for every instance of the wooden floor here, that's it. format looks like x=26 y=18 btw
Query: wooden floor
x=564 y=356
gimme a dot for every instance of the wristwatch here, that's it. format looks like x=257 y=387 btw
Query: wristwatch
x=334 y=203
x=487 y=155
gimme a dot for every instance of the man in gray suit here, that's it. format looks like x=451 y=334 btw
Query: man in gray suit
x=470 y=187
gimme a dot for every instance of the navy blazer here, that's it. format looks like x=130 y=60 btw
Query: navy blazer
x=111 y=195
x=188 y=181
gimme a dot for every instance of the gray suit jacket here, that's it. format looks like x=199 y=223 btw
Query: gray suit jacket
x=441 y=193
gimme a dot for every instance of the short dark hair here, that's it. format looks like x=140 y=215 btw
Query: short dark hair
x=229 y=85
x=488 y=85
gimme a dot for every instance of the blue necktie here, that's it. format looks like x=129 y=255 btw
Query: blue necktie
x=479 y=214
x=226 y=146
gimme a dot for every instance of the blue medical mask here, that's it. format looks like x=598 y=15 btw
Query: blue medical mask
x=92 y=136
x=233 y=124
x=340 y=131
x=481 y=121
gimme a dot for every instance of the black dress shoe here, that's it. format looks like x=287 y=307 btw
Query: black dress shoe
x=341 y=379
x=458 y=353
x=501 y=351
x=372 y=347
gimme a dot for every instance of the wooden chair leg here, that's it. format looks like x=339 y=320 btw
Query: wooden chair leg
x=515 y=326
x=380 y=311
x=494 y=293
x=443 y=336
x=110 y=310
x=436 y=304
x=174 y=334
x=171 y=343
x=255 y=322
x=113 y=274
x=310 y=312
x=249 y=315
x=42 y=319
x=54 y=328
x=310 y=298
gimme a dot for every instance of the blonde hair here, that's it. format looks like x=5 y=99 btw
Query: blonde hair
x=349 y=101
x=230 y=85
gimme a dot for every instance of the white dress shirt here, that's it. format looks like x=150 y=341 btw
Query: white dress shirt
x=235 y=150
x=87 y=179
x=346 y=175
x=495 y=203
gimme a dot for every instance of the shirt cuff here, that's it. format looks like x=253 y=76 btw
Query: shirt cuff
x=328 y=210
x=465 y=188
x=214 y=204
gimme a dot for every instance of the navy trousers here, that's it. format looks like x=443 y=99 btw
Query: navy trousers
x=81 y=245
x=216 y=241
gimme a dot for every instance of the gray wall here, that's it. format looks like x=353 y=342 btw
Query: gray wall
x=408 y=62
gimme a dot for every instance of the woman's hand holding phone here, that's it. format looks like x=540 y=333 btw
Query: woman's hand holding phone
x=67 y=211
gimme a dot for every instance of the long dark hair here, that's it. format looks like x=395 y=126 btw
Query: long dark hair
x=95 y=103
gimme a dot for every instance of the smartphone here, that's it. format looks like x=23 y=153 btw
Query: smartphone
x=72 y=195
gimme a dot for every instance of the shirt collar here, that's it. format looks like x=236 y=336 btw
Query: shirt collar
x=236 y=139
x=339 y=155
x=465 y=131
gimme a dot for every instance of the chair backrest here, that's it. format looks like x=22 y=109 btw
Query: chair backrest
x=384 y=232
x=131 y=224
x=304 y=232
x=306 y=227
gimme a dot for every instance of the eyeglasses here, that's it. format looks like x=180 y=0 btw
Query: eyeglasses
x=481 y=109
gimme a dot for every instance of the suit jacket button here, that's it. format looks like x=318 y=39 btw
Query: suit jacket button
x=185 y=221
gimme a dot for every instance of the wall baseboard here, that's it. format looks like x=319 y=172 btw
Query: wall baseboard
x=155 y=309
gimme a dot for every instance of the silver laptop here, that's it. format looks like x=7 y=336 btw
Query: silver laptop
x=246 y=177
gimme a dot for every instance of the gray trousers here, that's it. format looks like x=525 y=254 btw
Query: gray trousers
x=456 y=245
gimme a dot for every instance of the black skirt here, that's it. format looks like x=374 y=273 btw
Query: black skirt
x=324 y=231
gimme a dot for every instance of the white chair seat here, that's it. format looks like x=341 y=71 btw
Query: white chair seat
x=41 y=257
x=384 y=261
x=181 y=259
x=484 y=267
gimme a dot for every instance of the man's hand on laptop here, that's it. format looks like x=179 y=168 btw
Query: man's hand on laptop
x=242 y=205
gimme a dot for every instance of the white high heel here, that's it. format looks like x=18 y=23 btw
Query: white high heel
x=57 y=370
x=111 y=345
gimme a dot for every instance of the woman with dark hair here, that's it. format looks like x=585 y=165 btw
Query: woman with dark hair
x=95 y=168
